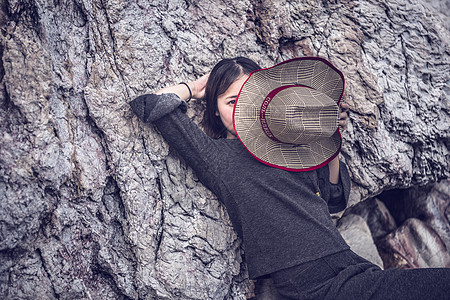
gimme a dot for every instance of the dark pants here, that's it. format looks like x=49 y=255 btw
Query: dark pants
x=345 y=275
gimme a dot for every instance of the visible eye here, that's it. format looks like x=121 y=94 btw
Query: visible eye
x=231 y=102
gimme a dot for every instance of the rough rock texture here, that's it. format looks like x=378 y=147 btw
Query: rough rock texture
x=414 y=245
x=95 y=205
x=430 y=204
x=423 y=238
x=376 y=216
x=358 y=236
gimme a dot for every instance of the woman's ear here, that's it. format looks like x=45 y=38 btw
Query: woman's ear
x=217 y=113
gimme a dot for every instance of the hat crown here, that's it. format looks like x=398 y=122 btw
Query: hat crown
x=300 y=115
x=276 y=123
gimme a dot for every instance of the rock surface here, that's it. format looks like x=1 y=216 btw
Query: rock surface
x=376 y=215
x=414 y=245
x=358 y=236
x=420 y=240
x=95 y=205
x=430 y=204
x=423 y=238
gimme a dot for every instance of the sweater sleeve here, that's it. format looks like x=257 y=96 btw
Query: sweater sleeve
x=151 y=107
x=168 y=113
x=335 y=194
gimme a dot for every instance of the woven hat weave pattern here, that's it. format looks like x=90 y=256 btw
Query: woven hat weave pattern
x=287 y=115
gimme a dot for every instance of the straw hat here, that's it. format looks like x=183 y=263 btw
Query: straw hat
x=287 y=116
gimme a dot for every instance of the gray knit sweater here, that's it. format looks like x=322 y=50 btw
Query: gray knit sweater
x=277 y=213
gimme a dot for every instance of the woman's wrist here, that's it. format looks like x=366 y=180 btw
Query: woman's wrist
x=189 y=90
x=181 y=90
x=193 y=89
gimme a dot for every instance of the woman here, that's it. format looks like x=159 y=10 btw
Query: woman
x=281 y=214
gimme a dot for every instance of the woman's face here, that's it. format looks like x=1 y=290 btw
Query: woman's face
x=225 y=105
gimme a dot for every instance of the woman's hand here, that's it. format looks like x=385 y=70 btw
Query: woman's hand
x=343 y=116
x=198 y=87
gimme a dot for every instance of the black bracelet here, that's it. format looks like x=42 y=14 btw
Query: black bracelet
x=189 y=89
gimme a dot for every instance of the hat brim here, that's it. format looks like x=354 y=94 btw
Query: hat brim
x=314 y=72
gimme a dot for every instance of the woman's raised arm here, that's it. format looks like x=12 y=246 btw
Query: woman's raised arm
x=186 y=91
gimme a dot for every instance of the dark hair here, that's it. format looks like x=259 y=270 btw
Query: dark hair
x=221 y=77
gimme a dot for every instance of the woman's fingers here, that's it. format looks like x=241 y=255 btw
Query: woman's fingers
x=343 y=116
x=344 y=107
x=343 y=124
x=199 y=86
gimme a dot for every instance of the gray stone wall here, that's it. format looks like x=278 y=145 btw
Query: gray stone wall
x=95 y=205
